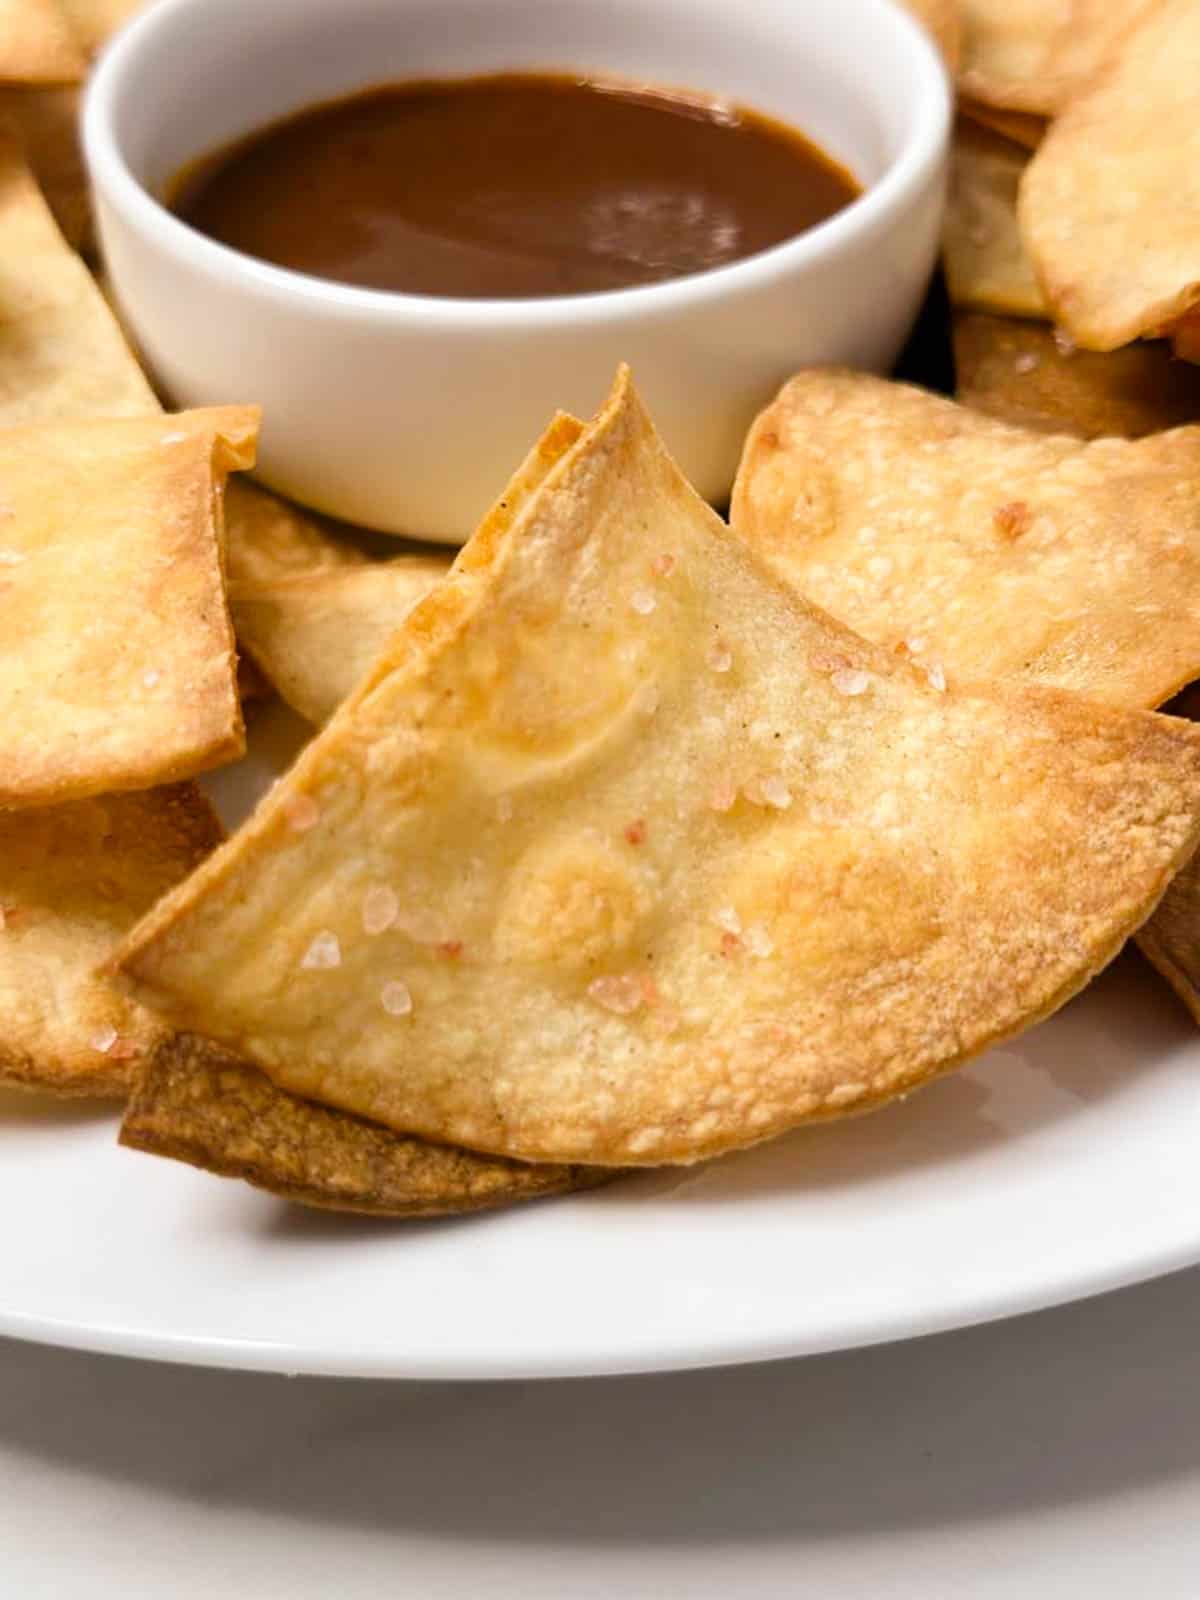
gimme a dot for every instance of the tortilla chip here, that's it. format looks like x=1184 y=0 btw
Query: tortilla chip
x=1007 y=552
x=117 y=662
x=985 y=261
x=943 y=19
x=1036 y=55
x=624 y=853
x=36 y=45
x=93 y=22
x=1171 y=938
x=1018 y=127
x=270 y=538
x=45 y=123
x=197 y=1103
x=1110 y=204
x=1185 y=337
x=1016 y=371
x=73 y=879
x=314 y=635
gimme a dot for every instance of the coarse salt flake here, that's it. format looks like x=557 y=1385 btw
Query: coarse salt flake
x=643 y=602
x=1064 y=343
x=380 y=908
x=11 y=558
x=172 y=438
x=150 y=677
x=851 y=681
x=880 y=566
x=1026 y=362
x=323 y=952
x=302 y=813
x=776 y=793
x=937 y=677
x=719 y=657
x=759 y=941
x=723 y=796
x=726 y=917
x=103 y=1040
x=622 y=995
x=396 y=999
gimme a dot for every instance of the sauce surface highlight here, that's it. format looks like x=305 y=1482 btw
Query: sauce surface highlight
x=512 y=185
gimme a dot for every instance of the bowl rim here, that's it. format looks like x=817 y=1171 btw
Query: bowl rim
x=880 y=204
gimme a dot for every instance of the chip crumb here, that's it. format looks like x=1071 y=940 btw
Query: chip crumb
x=759 y=941
x=396 y=999
x=635 y=833
x=380 y=908
x=323 y=952
x=851 y=680
x=1013 y=518
x=302 y=813
x=719 y=657
x=643 y=602
x=622 y=995
x=103 y=1040
x=663 y=566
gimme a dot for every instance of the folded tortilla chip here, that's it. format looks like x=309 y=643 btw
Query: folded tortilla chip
x=197 y=1103
x=1020 y=127
x=1015 y=370
x=117 y=660
x=986 y=265
x=624 y=853
x=1110 y=204
x=943 y=19
x=45 y=123
x=36 y=45
x=314 y=635
x=984 y=550
x=73 y=879
x=1036 y=55
x=1170 y=940
x=269 y=537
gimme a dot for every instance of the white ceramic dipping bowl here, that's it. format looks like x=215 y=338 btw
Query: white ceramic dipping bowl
x=408 y=412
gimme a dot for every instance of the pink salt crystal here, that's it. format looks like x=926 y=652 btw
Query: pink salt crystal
x=621 y=995
x=851 y=681
x=663 y=566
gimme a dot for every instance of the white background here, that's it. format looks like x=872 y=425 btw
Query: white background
x=1053 y=1456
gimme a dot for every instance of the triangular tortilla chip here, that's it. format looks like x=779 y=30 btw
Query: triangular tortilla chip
x=1035 y=55
x=73 y=879
x=943 y=19
x=1020 y=127
x=117 y=661
x=986 y=265
x=1110 y=203
x=984 y=550
x=93 y=22
x=45 y=123
x=624 y=853
x=36 y=45
x=269 y=537
x=1016 y=370
x=1171 y=938
x=197 y=1103
x=313 y=636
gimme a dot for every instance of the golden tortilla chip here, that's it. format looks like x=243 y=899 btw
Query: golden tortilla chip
x=45 y=123
x=314 y=635
x=986 y=265
x=270 y=538
x=1036 y=55
x=197 y=1103
x=93 y=22
x=986 y=550
x=36 y=45
x=1015 y=370
x=1171 y=938
x=624 y=853
x=61 y=353
x=1019 y=127
x=73 y=879
x=1185 y=337
x=943 y=19
x=117 y=662
x=1110 y=204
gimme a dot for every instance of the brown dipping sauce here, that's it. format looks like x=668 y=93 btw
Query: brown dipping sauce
x=512 y=185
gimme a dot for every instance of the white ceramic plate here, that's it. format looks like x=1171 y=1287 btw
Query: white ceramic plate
x=1061 y=1165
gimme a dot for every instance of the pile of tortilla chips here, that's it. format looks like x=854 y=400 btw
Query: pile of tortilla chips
x=629 y=837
